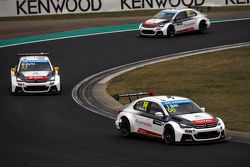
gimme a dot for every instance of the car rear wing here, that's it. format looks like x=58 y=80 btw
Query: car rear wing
x=133 y=95
x=34 y=54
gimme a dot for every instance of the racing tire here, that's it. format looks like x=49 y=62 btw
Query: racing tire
x=203 y=27
x=171 y=32
x=139 y=34
x=125 y=128
x=169 y=135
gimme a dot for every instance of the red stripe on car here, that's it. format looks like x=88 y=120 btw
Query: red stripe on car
x=185 y=30
x=35 y=77
x=203 y=121
x=144 y=131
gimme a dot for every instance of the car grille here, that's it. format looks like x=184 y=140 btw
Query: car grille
x=36 y=88
x=149 y=25
x=151 y=32
x=35 y=81
x=205 y=126
x=207 y=135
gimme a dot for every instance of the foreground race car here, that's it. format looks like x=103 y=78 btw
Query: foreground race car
x=171 y=118
x=34 y=73
x=170 y=22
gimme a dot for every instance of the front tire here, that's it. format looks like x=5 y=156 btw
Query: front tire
x=125 y=127
x=171 y=32
x=169 y=135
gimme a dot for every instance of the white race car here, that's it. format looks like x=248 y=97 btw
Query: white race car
x=170 y=22
x=171 y=118
x=34 y=73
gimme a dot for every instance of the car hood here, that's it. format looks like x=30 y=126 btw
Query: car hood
x=156 y=21
x=198 y=118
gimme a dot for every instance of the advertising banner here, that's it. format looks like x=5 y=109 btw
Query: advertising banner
x=49 y=7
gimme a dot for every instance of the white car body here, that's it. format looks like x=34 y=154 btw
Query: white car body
x=153 y=115
x=169 y=22
x=34 y=73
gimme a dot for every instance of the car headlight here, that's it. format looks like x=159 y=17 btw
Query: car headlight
x=185 y=126
x=217 y=121
x=51 y=78
x=19 y=77
x=161 y=25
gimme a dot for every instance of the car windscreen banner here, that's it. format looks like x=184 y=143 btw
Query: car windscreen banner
x=50 y=7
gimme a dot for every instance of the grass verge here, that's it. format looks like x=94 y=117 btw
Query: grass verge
x=134 y=13
x=220 y=81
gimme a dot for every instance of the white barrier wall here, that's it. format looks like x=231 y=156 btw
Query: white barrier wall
x=48 y=7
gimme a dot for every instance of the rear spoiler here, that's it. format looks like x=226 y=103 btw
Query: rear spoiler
x=34 y=54
x=131 y=95
x=201 y=8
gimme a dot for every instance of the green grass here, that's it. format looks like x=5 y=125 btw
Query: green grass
x=134 y=13
x=219 y=81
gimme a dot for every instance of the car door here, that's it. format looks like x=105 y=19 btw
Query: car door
x=183 y=22
x=179 y=20
x=190 y=21
x=143 y=124
x=158 y=122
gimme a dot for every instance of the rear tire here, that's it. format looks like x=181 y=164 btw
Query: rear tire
x=125 y=127
x=169 y=135
x=203 y=29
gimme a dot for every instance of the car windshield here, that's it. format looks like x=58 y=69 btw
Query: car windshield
x=164 y=15
x=34 y=65
x=180 y=107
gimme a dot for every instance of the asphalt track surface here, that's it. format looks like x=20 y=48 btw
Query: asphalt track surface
x=55 y=131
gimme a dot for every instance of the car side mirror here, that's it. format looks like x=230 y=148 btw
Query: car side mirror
x=159 y=114
x=56 y=69
x=203 y=109
x=13 y=69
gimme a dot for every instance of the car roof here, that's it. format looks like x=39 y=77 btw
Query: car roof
x=162 y=99
x=176 y=10
x=34 y=58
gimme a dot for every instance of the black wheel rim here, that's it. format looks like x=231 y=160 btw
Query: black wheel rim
x=171 y=32
x=124 y=129
x=168 y=135
x=203 y=28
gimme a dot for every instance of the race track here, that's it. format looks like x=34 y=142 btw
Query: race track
x=55 y=131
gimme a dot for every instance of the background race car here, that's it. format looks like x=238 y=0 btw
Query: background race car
x=170 y=22
x=34 y=73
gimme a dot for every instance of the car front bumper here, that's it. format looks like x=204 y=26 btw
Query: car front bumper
x=152 y=31
x=200 y=135
x=45 y=87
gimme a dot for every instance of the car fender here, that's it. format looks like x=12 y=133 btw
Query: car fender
x=177 y=130
x=13 y=83
x=130 y=118
x=221 y=122
x=199 y=19
x=140 y=25
x=167 y=25
x=58 y=82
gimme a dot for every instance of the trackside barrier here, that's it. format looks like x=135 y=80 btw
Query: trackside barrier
x=50 y=7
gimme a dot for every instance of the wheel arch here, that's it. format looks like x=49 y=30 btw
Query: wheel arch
x=130 y=119
x=176 y=128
